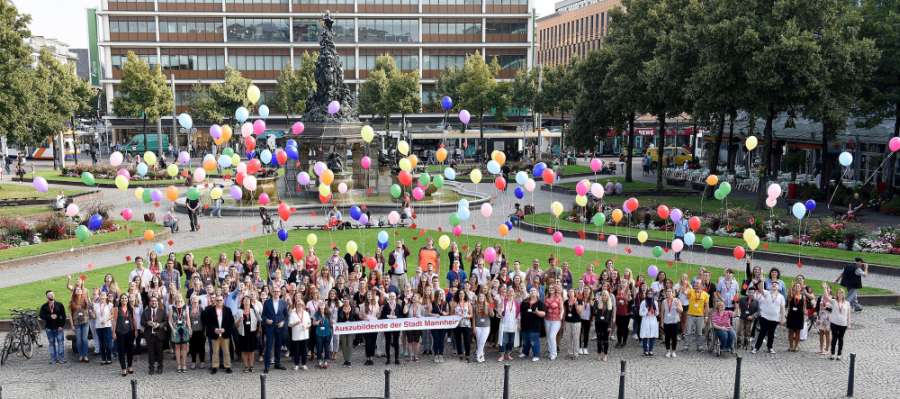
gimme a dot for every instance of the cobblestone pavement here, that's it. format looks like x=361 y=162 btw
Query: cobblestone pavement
x=785 y=375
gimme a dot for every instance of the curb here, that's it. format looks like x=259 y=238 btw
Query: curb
x=19 y=262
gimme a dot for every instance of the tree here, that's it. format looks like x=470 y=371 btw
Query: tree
x=16 y=94
x=479 y=92
x=295 y=86
x=592 y=114
x=143 y=93
x=559 y=91
x=525 y=93
x=387 y=90
x=217 y=102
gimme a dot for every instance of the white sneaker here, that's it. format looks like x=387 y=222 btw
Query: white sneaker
x=521 y=356
x=772 y=351
x=668 y=354
x=552 y=357
x=304 y=367
x=296 y=368
x=534 y=359
x=673 y=354
x=753 y=351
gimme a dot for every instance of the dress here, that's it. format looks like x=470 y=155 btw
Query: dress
x=796 y=309
x=248 y=341
x=823 y=319
x=180 y=330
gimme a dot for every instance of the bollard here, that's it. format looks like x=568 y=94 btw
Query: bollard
x=622 y=382
x=262 y=385
x=850 y=377
x=505 y=381
x=387 y=384
x=134 y=389
x=737 y=379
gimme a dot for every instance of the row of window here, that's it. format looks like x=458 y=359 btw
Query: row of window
x=503 y=27
x=256 y=1
x=404 y=62
x=576 y=30
x=132 y=26
x=363 y=2
x=258 y=30
x=307 y=30
x=441 y=62
x=190 y=26
x=259 y=62
x=193 y=62
x=451 y=28
x=389 y=30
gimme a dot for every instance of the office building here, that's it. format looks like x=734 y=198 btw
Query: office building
x=573 y=30
x=57 y=48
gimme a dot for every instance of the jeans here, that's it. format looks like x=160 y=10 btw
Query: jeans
x=273 y=341
x=172 y=225
x=726 y=339
x=695 y=326
x=552 y=327
x=392 y=340
x=647 y=344
x=217 y=211
x=531 y=343
x=439 y=338
x=56 y=344
x=104 y=337
x=509 y=339
x=370 y=340
x=192 y=215
x=323 y=348
x=463 y=340
x=622 y=329
x=837 y=338
x=853 y=298
x=81 y=339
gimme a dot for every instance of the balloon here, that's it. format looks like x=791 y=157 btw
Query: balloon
x=312 y=239
x=631 y=205
x=774 y=190
x=142 y=169
x=707 y=242
x=464 y=117
x=355 y=212
x=556 y=208
x=319 y=167
x=457 y=231
x=403 y=147
x=521 y=177
x=642 y=236
x=617 y=215
x=263 y=199
x=246 y=129
x=548 y=175
x=297 y=128
x=185 y=121
x=530 y=185
x=146 y=196
x=264 y=111
x=441 y=154
x=771 y=202
x=519 y=192
x=596 y=165
x=215 y=193
x=424 y=179
x=395 y=191
x=367 y=133
x=156 y=195
x=490 y=254
x=579 y=250
x=250 y=183
x=241 y=114
x=652 y=271
x=612 y=241
x=351 y=247
x=95 y=222
x=126 y=214
x=464 y=213
x=225 y=161
x=557 y=237
x=235 y=193
x=327 y=176
x=172 y=193
x=810 y=205
x=538 y=169
x=192 y=194
x=71 y=210
x=334 y=107
x=266 y=156
x=475 y=176
x=454 y=219
x=845 y=159
x=662 y=211
x=404 y=164
x=172 y=170
x=657 y=251
x=259 y=127
x=799 y=210
x=418 y=194
x=383 y=236
x=393 y=217
x=184 y=158
x=503 y=230
x=82 y=233
x=139 y=193
x=116 y=158
x=297 y=252
x=493 y=167
x=209 y=163
x=719 y=195
x=725 y=187
x=499 y=157
x=894 y=144
x=121 y=182
x=226 y=133
x=150 y=158
x=751 y=143
x=449 y=173
x=583 y=187
x=291 y=143
x=438 y=181
x=500 y=183
x=599 y=219
x=689 y=238
x=148 y=235
x=324 y=190
x=199 y=175
x=365 y=162
x=694 y=223
x=253 y=166
x=753 y=242
x=738 y=252
x=250 y=143
x=580 y=200
x=712 y=180
x=676 y=215
x=253 y=93
x=677 y=245
x=404 y=178
x=342 y=188
x=446 y=103
x=486 y=210
x=597 y=190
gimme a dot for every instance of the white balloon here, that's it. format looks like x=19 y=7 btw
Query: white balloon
x=530 y=185
x=116 y=158
x=597 y=190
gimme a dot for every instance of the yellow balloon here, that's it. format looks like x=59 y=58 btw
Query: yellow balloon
x=751 y=143
x=405 y=164
x=150 y=158
x=324 y=190
x=215 y=193
x=712 y=180
x=556 y=208
x=642 y=236
x=475 y=176
x=749 y=232
x=403 y=147
x=172 y=193
x=172 y=170
x=226 y=133
x=327 y=178
x=441 y=154
x=413 y=159
x=312 y=239
x=139 y=193
x=351 y=247
x=498 y=156
x=753 y=243
x=253 y=94
x=367 y=133
x=444 y=241
x=581 y=200
x=617 y=215
x=122 y=182
x=235 y=159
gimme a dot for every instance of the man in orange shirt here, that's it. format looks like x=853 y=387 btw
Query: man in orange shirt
x=428 y=254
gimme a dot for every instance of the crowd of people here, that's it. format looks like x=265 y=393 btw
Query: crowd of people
x=211 y=311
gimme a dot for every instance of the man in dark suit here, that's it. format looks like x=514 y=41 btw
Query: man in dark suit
x=219 y=324
x=275 y=315
x=155 y=323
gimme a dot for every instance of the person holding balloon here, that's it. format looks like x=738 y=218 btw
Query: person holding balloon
x=397 y=263
x=193 y=207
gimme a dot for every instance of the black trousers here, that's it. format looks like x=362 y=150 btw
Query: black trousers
x=197 y=346
x=622 y=329
x=837 y=338
x=298 y=352
x=671 y=334
x=463 y=340
x=585 y=336
x=155 y=347
x=767 y=331
x=125 y=349
x=602 y=327
x=392 y=340
x=370 y=340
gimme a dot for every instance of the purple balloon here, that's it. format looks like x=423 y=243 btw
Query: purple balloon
x=184 y=158
x=215 y=131
x=302 y=178
x=810 y=205
x=652 y=271
x=319 y=167
x=235 y=193
x=464 y=117
x=334 y=107
x=364 y=219
x=156 y=195
x=675 y=215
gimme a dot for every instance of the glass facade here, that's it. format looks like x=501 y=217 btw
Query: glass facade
x=307 y=30
x=117 y=60
x=188 y=1
x=437 y=27
x=507 y=27
x=251 y=2
x=506 y=2
x=193 y=62
x=258 y=62
x=132 y=26
x=510 y=62
x=441 y=62
x=260 y=30
x=451 y=2
x=190 y=26
x=388 y=30
x=389 y=2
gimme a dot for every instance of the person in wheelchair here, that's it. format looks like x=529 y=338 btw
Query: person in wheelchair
x=721 y=325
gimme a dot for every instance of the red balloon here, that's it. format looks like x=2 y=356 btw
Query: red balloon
x=297 y=252
x=739 y=252
x=370 y=263
x=500 y=183
x=239 y=178
x=405 y=178
x=323 y=199
x=662 y=211
x=633 y=204
x=281 y=156
x=254 y=166
x=250 y=143
x=694 y=223
x=549 y=176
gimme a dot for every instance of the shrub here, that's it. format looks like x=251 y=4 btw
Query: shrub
x=53 y=227
x=14 y=231
x=891 y=207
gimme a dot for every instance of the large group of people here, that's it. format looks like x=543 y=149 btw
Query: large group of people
x=280 y=311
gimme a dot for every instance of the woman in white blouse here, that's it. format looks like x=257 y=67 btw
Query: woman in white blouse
x=299 y=322
x=103 y=325
x=840 y=322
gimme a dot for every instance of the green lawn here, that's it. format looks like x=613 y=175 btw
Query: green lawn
x=53 y=176
x=546 y=219
x=137 y=228
x=23 y=211
x=569 y=170
x=27 y=191
x=31 y=295
x=627 y=187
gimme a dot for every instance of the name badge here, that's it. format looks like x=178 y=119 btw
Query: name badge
x=602 y=317
x=322 y=328
x=127 y=322
x=794 y=308
x=569 y=315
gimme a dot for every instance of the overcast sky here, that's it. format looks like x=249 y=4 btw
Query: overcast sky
x=66 y=19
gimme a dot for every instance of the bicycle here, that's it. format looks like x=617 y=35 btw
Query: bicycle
x=23 y=335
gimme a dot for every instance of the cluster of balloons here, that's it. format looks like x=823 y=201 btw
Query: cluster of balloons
x=800 y=209
x=751 y=239
x=773 y=192
x=723 y=191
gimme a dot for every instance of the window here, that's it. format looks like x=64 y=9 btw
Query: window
x=258 y=30
x=389 y=2
x=507 y=2
x=258 y=62
x=389 y=30
x=318 y=2
x=441 y=62
x=184 y=1
x=118 y=60
x=132 y=26
x=507 y=27
x=190 y=26
x=509 y=62
x=451 y=2
x=256 y=1
x=307 y=30
x=451 y=28
x=193 y=62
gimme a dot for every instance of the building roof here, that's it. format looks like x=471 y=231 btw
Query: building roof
x=810 y=131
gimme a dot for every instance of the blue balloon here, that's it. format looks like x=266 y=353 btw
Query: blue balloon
x=509 y=224
x=493 y=167
x=462 y=204
x=520 y=193
x=291 y=143
x=810 y=205
x=142 y=169
x=250 y=154
x=292 y=153
x=449 y=173
x=265 y=156
x=282 y=234
x=264 y=111
x=538 y=169
x=798 y=210
x=185 y=121
x=355 y=212
x=446 y=103
x=241 y=114
x=159 y=248
x=463 y=213
x=95 y=222
x=521 y=177
x=689 y=238
x=382 y=245
x=383 y=237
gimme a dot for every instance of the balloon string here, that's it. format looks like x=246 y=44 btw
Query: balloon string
x=871 y=175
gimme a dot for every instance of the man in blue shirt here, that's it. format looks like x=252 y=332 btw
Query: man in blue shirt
x=680 y=229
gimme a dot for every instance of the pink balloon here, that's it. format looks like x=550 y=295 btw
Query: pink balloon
x=583 y=187
x=677 y=245
x=530 y=185
x=418 y=193
x=297 y=128
x=457 y=230
x=771 y=202
x=302 y=178
x=319 y=167
x=393 y=217
x=246 y=129
x=464 y=117
x=486 y=210
x=557 y=237
x=124 y=172
x=774 y=190
x=490 y=255
x=365 y=162
x=241 y=167
x=72 y=210
x=596 y=165
x=894 y=144
x=259 y=127
x=579 y=250
x=612 y=241
x=263 y=199
x=342 y=188
x=126 y=214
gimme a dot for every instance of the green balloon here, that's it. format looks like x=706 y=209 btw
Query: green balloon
x=707 y=242
x=395 y=191
x=599 y=219
x=146 y=197
x=82 y=233
x=725 y=187
x=719 y=194
x=438 y=181
x=192 y=193
x=87 y=178
x=424 y=179
x=280 y=172
x=657 y=251
x=454 y=219
x=228 y=152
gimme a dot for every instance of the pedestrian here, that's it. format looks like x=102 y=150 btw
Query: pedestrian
x=840 y=322
x=53 y=314
x=193 y=207
x=698 y=311
x=81 y=311
x=721 y=324
x=572 y=316
x=180 y=328
x=321 y=321
x=275 y=316
x=533 y=312
x=197 y=347
x=219 y=324
x=623 y=314
x=102 y=315
x=398 y=265
x=670 y=309
x=392 y=310
x=509 y=324
x=649 y=328
x=217 y=205
x=851 y=279
x=795 y=318
x=124 y=331
x=483 y=311
x=771 y=314
x=347 y=315
x=154 y=321
x=299 y=323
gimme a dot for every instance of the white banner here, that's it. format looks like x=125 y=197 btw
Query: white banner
x=415 y=323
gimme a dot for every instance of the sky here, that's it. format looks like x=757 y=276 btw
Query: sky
x=66 y=19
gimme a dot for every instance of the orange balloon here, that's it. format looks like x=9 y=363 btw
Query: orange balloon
x=712 y=180
x=327 y=176
x=148 y=235
x=413 y=160
x=503 y=230
x=171 y=193
x=209 y=164
x=499 y=157
x=617 y=215
x=226 y=133
x=441 y=154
